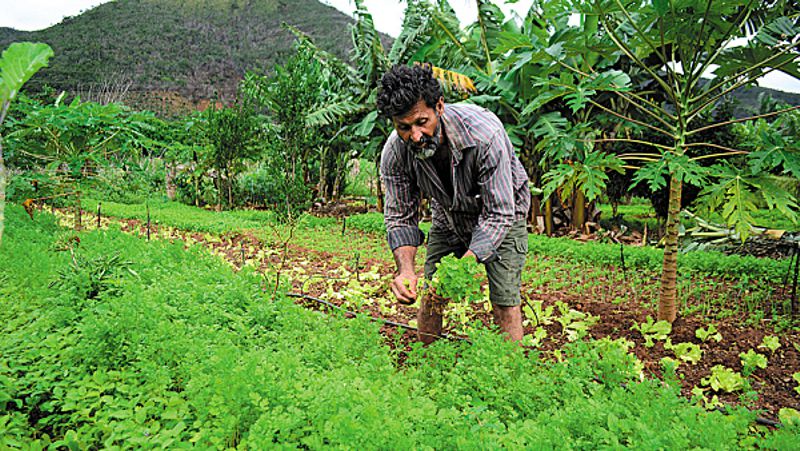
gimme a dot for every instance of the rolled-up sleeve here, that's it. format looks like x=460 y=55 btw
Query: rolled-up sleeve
x=401 y=203
x=497 y=192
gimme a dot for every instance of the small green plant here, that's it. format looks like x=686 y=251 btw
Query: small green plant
x=535 y=311
x=687 y=352
x=723 y=378
x=458 y=279
x=770 y=342
x=653 y=330
x=789 y=416
x=751 y=360
x=796 y=377
x=535 y=339
x=709 y=333
x=574 y=324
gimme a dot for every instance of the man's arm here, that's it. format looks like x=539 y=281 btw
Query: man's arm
x=404 y=285
x=402 y=221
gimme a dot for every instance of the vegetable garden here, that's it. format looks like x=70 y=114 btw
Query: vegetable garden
x=220 y=279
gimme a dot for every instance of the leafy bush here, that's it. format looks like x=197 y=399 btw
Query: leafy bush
x=367 y=222
x=269 y=186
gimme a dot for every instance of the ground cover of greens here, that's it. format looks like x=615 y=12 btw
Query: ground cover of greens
x=596 y=253
x=127 y=343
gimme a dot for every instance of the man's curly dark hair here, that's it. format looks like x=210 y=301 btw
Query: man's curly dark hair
x=403 y=86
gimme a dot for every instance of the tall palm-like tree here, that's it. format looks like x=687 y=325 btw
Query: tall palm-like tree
x=677 y=44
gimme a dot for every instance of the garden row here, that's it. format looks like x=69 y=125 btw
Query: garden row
x=112 y=341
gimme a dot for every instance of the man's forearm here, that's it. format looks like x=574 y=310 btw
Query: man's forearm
x=404 y=258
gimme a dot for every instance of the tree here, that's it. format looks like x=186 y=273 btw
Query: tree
x=18 y=63
x=233 y=133
x=677 y=43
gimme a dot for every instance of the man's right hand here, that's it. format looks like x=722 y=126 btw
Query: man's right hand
x=404 y=288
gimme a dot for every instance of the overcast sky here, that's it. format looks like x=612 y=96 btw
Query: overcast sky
x=388 y=16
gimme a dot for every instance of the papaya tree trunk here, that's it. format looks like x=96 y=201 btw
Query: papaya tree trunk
x=548 y=216
x=667 y=310
x=578 y=210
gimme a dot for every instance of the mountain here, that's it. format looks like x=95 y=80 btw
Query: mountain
x=192 y=49
x=174 y=55
x=747 y=99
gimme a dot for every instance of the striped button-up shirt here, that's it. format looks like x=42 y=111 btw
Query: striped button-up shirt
x=490 y=186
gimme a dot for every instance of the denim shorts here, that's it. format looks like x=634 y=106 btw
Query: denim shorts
x=504 y=272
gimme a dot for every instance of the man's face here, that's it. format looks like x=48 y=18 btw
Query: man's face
x=420 y=129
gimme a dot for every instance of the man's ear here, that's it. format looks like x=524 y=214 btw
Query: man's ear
x=440 y=106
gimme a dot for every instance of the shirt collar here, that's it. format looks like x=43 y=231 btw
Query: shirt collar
x=458 y=138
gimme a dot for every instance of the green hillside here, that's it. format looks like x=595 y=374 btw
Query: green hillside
x=196 y=48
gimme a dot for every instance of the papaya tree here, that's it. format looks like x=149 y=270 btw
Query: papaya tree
x=695 y=53
x=18 y=63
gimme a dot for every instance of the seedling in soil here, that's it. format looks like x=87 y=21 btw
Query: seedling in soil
x=534 y=311
x=687 y=352
x=770 y=342
x=752 y=360
x=574 y=324
x=709 y=333
x=536 y=339
x=796 y=377
x=723 y=378
x=650 y=331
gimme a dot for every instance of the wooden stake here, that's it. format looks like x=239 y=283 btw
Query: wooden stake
x=98 y=214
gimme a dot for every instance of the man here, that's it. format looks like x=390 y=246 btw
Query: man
x=461 y=157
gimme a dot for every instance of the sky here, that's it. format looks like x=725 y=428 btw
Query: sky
x=388 y=16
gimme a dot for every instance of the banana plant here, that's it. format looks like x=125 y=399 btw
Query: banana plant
x=689 y=51
x=18 y=63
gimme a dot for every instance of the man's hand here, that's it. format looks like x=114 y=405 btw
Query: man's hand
x=404 y=288
x=469 y=253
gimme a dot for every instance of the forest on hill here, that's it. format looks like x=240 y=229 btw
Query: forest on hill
x=198 y=49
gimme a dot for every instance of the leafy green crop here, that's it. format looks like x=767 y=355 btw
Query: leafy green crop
x=725 y=379
x=688 y=352
x=458 y=279
x=770 y=342
x=650 y=330
x=189 y=353
x=751 y=360
x=705 y=334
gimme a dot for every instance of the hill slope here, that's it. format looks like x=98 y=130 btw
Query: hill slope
x=177 y=54
x=197 y=48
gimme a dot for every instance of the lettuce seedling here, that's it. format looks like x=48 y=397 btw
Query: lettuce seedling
x=723 y=378
x=650 y=330
x=710 y=333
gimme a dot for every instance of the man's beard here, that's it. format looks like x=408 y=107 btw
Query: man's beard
x=427 y=145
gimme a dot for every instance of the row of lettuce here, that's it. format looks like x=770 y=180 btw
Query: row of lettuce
x=594 y=253
x=109 y=340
